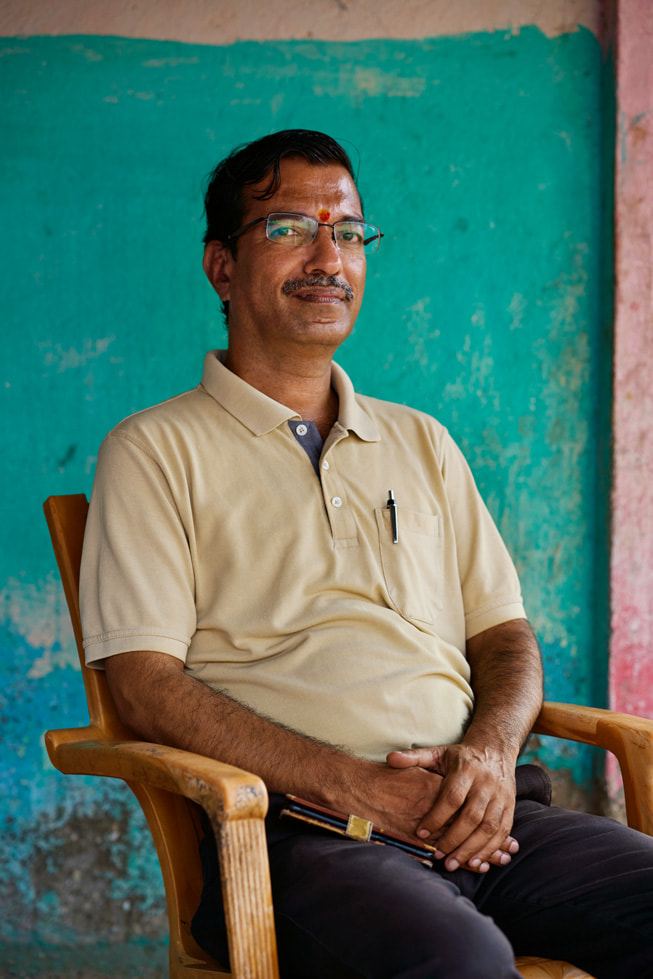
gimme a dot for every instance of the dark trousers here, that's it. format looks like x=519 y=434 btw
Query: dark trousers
x=580 y=889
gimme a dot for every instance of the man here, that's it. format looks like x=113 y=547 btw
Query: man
x=303 y=582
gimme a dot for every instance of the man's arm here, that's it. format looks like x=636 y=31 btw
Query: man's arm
x=473 y=813
x=162 y=703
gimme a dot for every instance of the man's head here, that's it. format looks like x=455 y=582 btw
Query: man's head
x=225 y=199
x=286 y=243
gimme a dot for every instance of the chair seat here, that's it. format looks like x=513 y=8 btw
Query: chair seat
x=532 y=967
x=529 y=967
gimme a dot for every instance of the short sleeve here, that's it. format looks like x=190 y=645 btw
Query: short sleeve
x=137 y=582
x=489 y=582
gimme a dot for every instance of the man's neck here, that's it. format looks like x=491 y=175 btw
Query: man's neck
x=304 y=387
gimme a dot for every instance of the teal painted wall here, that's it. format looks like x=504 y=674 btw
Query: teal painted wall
x=480 y=158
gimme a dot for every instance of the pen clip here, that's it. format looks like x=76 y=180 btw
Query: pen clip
x=394 y=522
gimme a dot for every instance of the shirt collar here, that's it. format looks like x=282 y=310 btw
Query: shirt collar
x=261 y=414
x=350 y=414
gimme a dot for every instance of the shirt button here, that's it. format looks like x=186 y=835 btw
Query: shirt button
x=325 y=465
x=301 y=429
x=336 y=501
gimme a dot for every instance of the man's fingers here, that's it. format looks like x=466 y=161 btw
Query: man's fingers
x=428 y=758
x=453 y=806
x=471 y=817
x=479 y=864
x=404 y=759
x=476 y=836
x=500 y=858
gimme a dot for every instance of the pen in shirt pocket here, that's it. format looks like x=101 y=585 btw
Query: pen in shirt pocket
x=394 y=521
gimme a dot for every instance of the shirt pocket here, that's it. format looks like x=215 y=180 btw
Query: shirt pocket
x=413 y=568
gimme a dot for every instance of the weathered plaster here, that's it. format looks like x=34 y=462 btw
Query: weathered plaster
x=208 y=22
x=486 y=147
x=631 y=662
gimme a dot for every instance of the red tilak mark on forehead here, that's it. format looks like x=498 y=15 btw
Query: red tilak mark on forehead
x=324 y=215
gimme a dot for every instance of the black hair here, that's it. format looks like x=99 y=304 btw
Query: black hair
x=250 y=163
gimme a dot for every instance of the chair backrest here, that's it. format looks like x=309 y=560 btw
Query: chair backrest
x=173 y=820
x=66 y=517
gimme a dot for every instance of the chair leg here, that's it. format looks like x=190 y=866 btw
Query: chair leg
x=247 y=895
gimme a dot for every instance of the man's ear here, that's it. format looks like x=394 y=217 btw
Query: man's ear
x=217 y=264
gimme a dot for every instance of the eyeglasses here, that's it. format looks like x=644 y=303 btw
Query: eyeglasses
x=292 y=230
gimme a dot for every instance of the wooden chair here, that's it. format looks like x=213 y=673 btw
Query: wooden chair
x=171 y=785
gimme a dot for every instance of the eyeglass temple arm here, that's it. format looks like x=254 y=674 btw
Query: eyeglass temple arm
x=246 y=227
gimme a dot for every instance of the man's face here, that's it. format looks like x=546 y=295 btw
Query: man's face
x=280 y=296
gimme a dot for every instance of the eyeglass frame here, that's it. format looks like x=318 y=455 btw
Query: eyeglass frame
x=318 y=225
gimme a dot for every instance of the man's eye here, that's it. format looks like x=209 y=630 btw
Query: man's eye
x=350 y=235
x=284 y=232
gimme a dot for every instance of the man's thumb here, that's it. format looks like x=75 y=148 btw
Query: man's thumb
x=414 y=758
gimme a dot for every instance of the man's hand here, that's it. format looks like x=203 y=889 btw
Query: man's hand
x=402 y=796
x=395 y=800
x=471 y=818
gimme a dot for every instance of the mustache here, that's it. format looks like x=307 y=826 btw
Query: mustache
x=322 y=281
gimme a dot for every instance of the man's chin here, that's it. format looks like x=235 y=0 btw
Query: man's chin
x=322 y=312
x=323 y=329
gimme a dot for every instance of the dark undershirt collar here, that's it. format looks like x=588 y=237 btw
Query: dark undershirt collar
x=310 y=440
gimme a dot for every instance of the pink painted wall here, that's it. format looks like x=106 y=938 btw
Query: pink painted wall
x=631 y=654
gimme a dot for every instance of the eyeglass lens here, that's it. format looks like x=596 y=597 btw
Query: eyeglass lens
x=301 y=229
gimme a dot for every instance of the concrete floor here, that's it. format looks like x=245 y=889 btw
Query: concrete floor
x=106 y=962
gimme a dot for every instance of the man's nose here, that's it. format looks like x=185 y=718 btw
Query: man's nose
x=323 y=254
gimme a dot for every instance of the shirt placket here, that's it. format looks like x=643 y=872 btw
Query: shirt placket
x=338 y=509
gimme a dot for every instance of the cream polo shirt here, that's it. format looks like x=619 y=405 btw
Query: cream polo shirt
x=210 y=538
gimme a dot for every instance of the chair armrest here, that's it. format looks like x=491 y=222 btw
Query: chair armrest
x=629 y=738
x=223 y=791
x=234 y=800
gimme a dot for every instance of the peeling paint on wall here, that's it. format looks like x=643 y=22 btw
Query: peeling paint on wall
x=482 y=307
x=204 y=22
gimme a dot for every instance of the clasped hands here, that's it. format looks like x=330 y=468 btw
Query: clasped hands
x=468 y=814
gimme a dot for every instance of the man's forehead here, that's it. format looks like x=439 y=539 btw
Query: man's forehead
x=303 y=184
